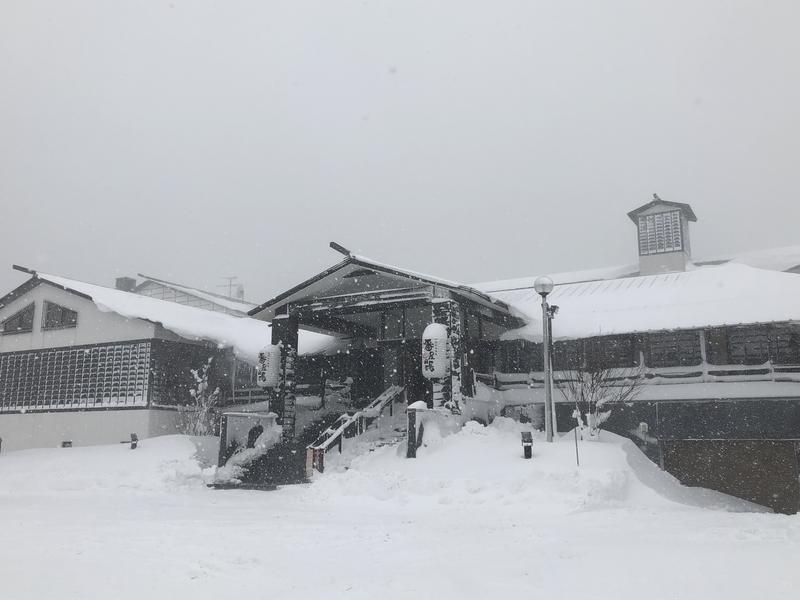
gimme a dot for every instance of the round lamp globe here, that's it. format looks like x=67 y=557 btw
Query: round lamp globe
x=543 y=285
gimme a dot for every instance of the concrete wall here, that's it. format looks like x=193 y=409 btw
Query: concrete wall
x=94 y=326
x=20 y=431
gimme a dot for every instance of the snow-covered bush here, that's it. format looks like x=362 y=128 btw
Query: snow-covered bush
x=199 y=418
x=595 y=391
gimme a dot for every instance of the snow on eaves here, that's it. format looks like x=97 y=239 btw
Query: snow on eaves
x=244 y=335
x=713 y=296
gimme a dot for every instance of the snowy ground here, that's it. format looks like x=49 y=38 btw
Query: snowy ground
x=468 y=519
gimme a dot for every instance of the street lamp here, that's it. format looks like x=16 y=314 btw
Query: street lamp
x=543 y=286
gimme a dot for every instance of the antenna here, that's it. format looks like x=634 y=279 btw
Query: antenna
x=229 y=285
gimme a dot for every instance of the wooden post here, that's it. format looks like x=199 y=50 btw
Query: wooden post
x=285 y=334
x=411 y=435
x=448 y=313
x=223 y=441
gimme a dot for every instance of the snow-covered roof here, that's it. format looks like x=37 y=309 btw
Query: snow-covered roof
x=728 y=294
x=230 y=303
x=559 y=278
x=246 y=336
x=775 y=259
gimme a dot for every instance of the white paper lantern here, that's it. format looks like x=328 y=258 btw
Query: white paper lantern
x=435 y=362
x=269 y=367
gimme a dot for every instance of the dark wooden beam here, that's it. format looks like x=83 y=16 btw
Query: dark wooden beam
x=336 y=325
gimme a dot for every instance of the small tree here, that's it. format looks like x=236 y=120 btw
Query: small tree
x=595 y=391
x=204 y=400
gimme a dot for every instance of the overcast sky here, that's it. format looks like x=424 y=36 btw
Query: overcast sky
x=473 y=140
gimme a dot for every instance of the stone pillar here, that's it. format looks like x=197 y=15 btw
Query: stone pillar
x=448 y=313
x=285 y=334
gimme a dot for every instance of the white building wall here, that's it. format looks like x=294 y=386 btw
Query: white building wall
x=94 y=326
x=20 y=431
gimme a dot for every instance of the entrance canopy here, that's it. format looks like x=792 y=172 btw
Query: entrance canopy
x=354 y=297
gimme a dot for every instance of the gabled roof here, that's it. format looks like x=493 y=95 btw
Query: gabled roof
x=656 y=201
x=352 y=264
x=713 y=296
x=246 y=336
x=224 y=301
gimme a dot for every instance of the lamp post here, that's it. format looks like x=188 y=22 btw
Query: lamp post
x=543 y=286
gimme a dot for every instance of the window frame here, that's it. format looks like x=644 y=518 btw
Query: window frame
x=660 y=233
x=29 y=307
x=46 y=327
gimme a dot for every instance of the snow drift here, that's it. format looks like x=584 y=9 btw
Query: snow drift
x=484 y=465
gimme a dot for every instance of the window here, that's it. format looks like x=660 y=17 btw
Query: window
x=660 y=233
x=753 y=345
x=473 y=329
x=784 y=344
x=417 y=319
x=612 y=352
x=568 y=355
x=21 y=322
x=748 y=345
x=58 y=317
x=673 y=349
x=393 y=324
x=82 y=377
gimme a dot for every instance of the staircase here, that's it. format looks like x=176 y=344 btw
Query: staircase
x=285 y=463
x=349 y=426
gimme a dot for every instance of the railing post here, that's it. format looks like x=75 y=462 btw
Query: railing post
x=319 y=459
x=309 y=462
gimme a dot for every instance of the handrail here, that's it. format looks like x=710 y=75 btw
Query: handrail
x=332 y=433
x=316 y=450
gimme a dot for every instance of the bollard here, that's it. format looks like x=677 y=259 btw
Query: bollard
x=134 y=441
x=527 y=444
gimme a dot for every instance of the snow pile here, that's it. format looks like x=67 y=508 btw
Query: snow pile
x=484 y=466
x=166 y=463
